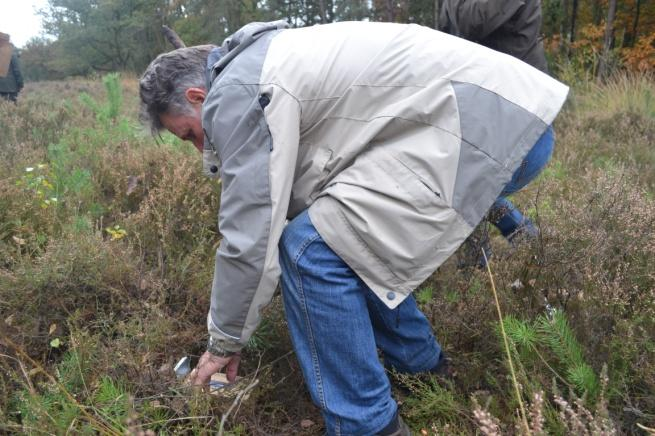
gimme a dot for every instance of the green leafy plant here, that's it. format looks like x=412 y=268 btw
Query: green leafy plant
x=424 y=295
x=110 y=110
x=554 y=334
x=559 y=337
x=111 y=400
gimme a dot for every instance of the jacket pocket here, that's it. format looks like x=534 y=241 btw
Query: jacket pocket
x=417 y=190
x=423 y=185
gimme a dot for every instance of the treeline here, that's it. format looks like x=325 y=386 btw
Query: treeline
x=124 y=35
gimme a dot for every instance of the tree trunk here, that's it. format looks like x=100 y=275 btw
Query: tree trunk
x=574 y=18
x=597 y=12
x=436 y=14
x=390 y=14
x=563 y=28
x=608 y=43
x=635 y=26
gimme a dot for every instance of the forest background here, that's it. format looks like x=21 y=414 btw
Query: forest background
x=125 y=35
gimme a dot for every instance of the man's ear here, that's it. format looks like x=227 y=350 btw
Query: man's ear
x=195 y=95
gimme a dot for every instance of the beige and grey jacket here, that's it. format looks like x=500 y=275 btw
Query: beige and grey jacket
x=398 y=138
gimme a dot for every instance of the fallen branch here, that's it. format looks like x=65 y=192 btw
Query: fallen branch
x=173 y=37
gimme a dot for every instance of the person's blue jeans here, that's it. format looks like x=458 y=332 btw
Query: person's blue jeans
x=503 y=214
x=337 y=324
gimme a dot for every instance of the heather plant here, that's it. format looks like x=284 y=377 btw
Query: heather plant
x=102 y=290
x=572 y=417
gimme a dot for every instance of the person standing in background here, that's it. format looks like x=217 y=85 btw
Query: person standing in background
x=507 y=26
x=11 y=79
x=512 y=27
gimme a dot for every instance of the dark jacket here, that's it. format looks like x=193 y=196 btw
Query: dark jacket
x=508 y=26
x=13 y=81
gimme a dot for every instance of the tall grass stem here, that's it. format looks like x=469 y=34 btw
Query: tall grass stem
x=524 y=420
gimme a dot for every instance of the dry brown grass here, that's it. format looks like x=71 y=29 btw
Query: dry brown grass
x=124 y=309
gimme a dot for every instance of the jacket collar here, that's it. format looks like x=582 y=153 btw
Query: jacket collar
x=236 y=43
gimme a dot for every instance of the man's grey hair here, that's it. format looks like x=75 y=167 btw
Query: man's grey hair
x=163 y=85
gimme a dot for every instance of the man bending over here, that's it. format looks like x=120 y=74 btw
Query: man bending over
x=383 y=145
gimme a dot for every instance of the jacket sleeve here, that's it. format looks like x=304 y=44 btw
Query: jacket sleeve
x=476 y=19
x=256 y=134
x=15 y=68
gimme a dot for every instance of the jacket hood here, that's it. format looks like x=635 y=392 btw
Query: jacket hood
x=239 y=41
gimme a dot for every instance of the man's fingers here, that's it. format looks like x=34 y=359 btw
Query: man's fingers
x=209 y=365
x=192 y=376
x=232 y=368
x=205 y=372
x=206 y=357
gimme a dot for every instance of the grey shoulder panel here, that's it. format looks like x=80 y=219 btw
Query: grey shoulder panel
x=496 y=135
x=245 y=71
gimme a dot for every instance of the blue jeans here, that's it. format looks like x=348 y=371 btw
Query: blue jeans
x=503 y=214
x=337 y=324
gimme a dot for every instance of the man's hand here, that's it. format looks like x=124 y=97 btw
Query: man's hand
x=210 y=365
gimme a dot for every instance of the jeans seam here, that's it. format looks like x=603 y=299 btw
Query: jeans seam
x=423 y=363
x=384 y=321
x=310 y=333
x=400 y=340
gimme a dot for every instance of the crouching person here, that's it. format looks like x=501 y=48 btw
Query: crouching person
x=383 y=145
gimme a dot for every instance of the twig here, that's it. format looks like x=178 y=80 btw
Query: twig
x=79 y=366
x=172 y=37
x=509 y=356
x=6 y=426
x=646 y=429
x=236 y=402
x=24 y=371
x=543 y=360
x=166 y=421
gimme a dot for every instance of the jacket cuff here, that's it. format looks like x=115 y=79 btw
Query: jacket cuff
x=220 y=341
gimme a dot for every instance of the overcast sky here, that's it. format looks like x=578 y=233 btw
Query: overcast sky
x=18 y=18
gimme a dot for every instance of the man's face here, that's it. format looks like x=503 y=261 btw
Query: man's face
x=188 y=127
x=185 y=127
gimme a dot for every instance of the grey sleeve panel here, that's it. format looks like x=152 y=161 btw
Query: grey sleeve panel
x=476 y=19
x=496 y=135
x=235 y=122
x=258 y=173
x=245 y=211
